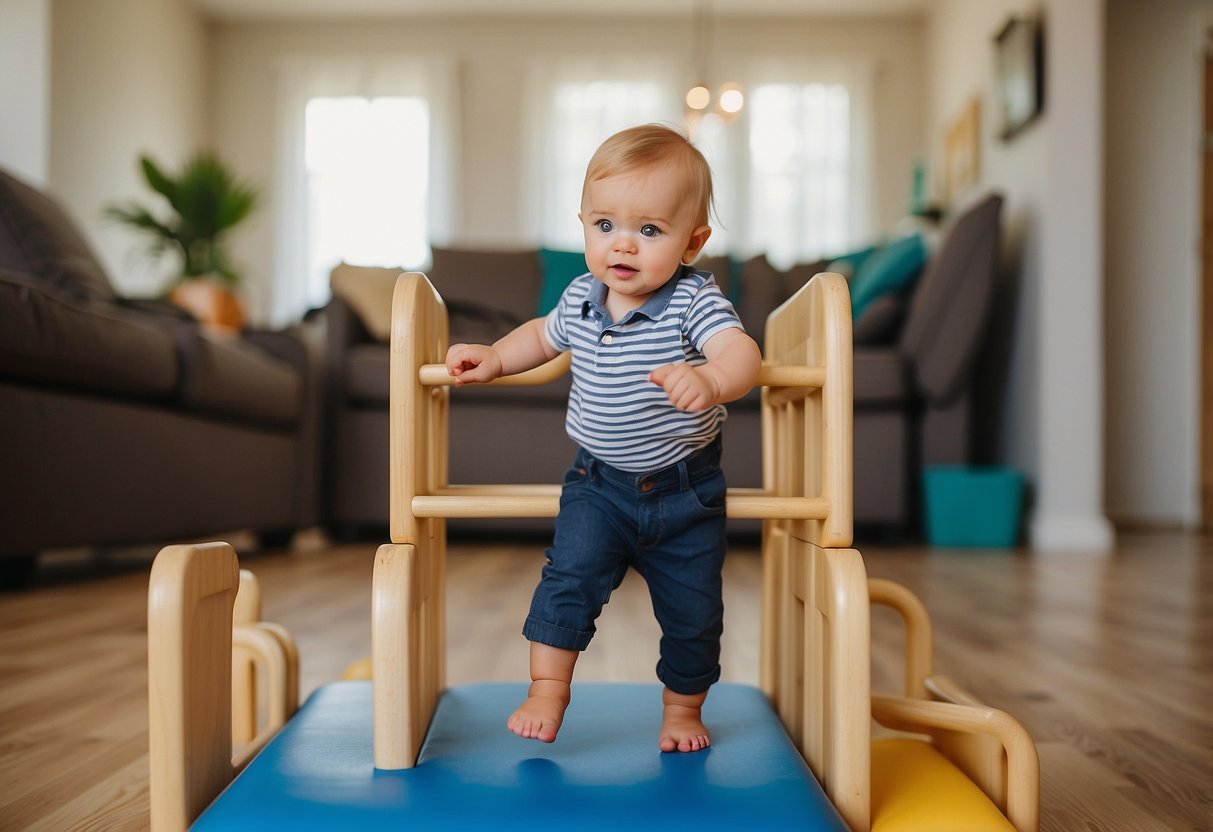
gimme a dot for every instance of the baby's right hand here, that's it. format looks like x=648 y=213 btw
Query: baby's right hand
x=472 y=363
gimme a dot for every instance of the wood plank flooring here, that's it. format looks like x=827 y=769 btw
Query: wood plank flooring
x=1108 y=661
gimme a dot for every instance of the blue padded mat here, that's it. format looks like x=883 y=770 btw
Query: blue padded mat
x=604 y=772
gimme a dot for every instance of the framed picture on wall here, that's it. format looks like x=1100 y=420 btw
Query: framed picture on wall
x=1019 y=50
x=962 y=152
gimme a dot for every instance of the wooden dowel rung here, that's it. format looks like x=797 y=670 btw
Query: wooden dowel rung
x=495 y=490
x=486 y=505
x=435 y=375
x=765 y=507
x=791 y=375
x=544 y=501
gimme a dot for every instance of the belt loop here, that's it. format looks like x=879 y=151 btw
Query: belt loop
x=684 y=478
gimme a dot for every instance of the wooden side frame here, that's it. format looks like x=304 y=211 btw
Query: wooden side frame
x=806 y=495
x=987 y=744
x=264 y=654
x=192 y=637
x=815 y=650
x=189 y=625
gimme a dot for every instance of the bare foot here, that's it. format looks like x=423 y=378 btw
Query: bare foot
x=682 y=727
x=539 y=717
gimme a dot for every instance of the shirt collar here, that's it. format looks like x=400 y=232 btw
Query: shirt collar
x=653 y=308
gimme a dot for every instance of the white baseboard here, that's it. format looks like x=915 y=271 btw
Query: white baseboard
x=1070 y=533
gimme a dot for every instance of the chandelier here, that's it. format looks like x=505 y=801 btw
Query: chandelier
x=728 y=99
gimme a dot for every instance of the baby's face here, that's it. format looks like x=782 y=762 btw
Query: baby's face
x=638 y=227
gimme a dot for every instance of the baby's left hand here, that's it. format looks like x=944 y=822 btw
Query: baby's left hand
x=689 y=389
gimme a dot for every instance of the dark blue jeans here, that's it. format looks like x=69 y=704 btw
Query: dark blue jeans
x=669 y=526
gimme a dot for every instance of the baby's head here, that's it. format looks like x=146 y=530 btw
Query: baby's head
x=650 y=145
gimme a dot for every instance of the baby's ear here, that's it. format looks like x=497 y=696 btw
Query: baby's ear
x=699 y=238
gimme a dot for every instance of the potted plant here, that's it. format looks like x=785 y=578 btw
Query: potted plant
x=206 y=202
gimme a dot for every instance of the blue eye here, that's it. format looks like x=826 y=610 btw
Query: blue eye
x=651 y=231
x=605 y=226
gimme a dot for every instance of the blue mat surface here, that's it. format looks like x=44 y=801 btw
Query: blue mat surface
x=604 y=772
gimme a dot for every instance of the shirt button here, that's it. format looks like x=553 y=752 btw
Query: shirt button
x=646 y=486
x=606 y=339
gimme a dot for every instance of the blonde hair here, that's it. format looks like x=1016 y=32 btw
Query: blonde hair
x=649 y=144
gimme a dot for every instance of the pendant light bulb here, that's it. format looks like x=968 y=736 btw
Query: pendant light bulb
x=698 y=97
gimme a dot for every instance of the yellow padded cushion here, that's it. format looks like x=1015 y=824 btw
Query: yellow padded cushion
x=368 y=291
x=917 y=789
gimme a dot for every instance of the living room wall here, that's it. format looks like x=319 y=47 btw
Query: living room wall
x=492 y=56
x=25 y=65
x=1154 y=146
x=127 y=77
x=1044 y=398
x=1140 y=429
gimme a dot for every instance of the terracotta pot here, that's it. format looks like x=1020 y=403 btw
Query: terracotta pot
x=216 y=306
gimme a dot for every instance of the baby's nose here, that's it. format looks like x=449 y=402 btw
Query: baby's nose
x=625 y=242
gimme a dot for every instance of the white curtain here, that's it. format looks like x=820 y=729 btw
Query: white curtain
x=754 y=225
x=575 y=103
x=304 y=78
x=615 y=93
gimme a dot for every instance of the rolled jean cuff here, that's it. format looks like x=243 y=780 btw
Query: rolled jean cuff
x=687 y=685
x=555 y=636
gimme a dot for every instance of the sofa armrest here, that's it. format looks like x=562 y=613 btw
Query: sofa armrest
x=343 y=326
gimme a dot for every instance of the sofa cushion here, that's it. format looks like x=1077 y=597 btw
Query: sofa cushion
x=554 y=393
x=506 y=281
x=723 y=269
x=761 y=291
x=225 y=376
x=849 y=263
x=367 y=383
x=764 y=287
x=893 y=268
x=881 y=376
x=365 y=374
x=947 y=316
x=48 y=338
x=38 y=238
x=880 y=321
x=559 y=270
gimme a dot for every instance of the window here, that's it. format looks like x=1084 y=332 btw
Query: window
x=799 y=171
x=365 y=171
x=583 y=115
x=790 y=175
x=367 y=166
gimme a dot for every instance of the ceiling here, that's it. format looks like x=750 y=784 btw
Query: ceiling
x=260 y=9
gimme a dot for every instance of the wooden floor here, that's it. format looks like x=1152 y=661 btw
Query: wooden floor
x=1108 y=661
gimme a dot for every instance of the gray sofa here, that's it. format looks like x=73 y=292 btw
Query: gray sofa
x=914 y=363
x=122 y=420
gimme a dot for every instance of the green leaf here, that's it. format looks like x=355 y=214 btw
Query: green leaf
x=206 y=201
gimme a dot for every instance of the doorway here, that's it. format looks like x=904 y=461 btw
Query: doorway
x=1206 y=315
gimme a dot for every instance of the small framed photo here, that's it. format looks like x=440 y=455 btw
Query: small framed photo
x=1020 y=69
x=962 y=152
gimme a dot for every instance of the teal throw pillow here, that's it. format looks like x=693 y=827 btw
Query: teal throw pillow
x=559 y=269
x=891 y=269
x=852 y=261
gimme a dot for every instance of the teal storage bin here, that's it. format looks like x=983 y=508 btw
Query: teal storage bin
x=976 y=507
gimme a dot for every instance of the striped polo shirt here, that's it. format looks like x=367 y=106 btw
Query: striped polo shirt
x=615 y=412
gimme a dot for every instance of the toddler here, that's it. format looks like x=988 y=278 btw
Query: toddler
x=656 y=350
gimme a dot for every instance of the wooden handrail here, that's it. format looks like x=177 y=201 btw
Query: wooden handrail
x=544 y=501
x=435 y=375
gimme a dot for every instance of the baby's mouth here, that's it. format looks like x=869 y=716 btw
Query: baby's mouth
x=624 y=267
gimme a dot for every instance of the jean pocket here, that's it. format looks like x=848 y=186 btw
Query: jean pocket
x=709 y=493
x=575 y=476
